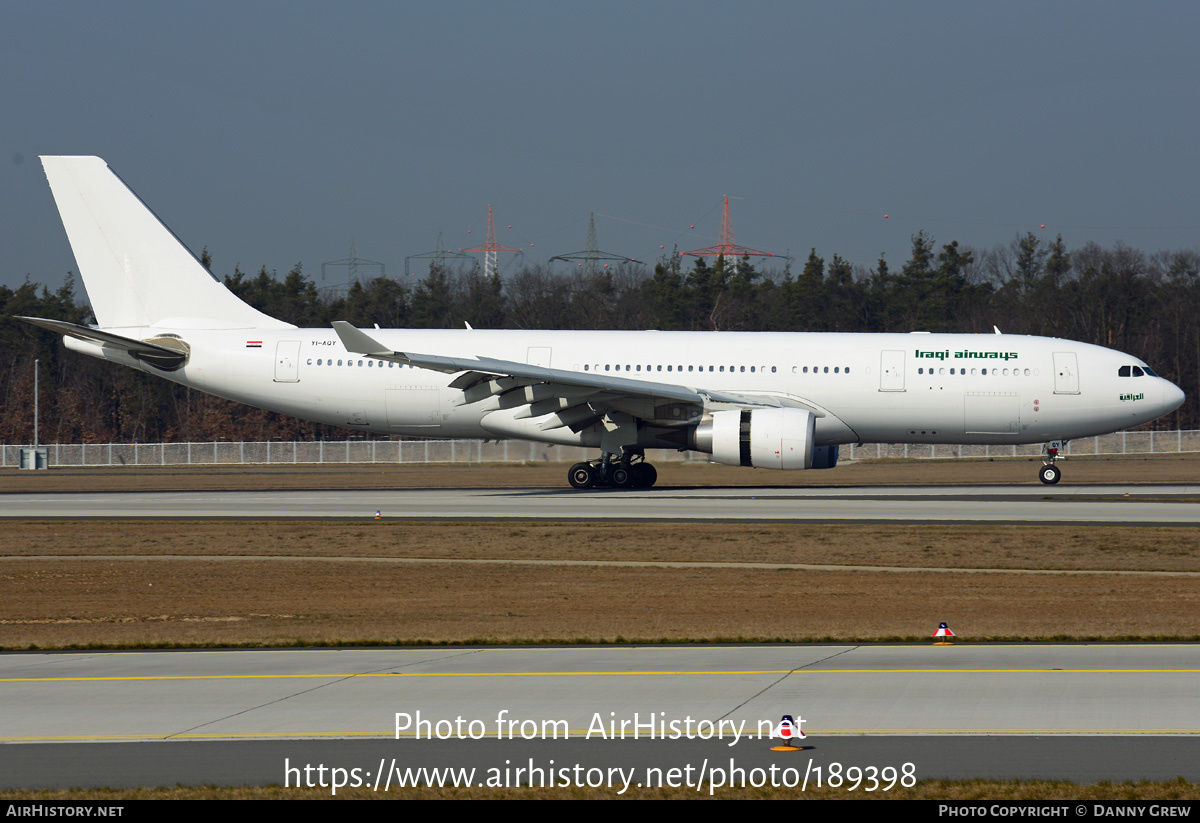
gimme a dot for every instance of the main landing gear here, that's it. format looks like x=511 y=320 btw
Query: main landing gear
x=1050 y=473
x=629 y=471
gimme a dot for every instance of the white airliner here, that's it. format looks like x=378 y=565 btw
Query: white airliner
x=767 y=400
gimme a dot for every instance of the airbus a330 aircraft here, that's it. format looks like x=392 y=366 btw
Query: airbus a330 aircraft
x=767 y=400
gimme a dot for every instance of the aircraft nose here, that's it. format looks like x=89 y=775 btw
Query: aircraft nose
x=1172 y=397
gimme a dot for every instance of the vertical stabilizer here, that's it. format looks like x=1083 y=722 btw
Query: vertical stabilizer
x=136 y=271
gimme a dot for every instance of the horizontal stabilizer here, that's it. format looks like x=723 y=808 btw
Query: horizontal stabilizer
x=169 y=357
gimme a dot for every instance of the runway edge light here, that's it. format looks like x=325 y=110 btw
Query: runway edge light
x=943 y=631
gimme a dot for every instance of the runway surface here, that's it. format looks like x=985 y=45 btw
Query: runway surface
x=1134 y=504
x=142 y=718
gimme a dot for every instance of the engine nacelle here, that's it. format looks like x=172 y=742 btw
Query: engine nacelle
x=765 y=439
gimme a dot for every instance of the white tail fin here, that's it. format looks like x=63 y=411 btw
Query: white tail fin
x=136 y=271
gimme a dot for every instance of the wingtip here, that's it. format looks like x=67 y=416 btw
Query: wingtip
x=359 y=342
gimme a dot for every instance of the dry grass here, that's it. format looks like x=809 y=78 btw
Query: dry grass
x=78 y=583
x=299 y=586
x=1109 y=548
x=1180 y=468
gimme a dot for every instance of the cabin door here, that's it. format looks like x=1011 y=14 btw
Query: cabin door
x=287 y=361
x=1066 y=372
x=891 y=371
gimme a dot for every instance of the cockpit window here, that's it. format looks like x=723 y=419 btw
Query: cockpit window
x=1123 y=371
x=1137 y=371
x=1149 y=371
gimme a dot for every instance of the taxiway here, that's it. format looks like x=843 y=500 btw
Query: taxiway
x=142 y=718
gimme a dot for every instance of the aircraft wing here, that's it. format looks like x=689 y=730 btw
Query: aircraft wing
x=576 y=399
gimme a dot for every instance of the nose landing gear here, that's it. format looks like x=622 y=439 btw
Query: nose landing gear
x=1050 y=473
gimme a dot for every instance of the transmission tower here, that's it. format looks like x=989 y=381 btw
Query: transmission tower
x=728 y=246
x=491 y=249
x=439 y=256
x=592 y=256
x=352 y=263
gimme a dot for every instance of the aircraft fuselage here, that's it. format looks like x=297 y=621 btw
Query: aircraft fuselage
x=914 y=388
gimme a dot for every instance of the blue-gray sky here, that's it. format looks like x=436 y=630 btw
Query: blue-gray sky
x=274 y=133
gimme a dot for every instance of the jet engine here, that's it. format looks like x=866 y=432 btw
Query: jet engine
x=765 y=439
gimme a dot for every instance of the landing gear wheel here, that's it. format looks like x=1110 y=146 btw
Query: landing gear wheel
x=1050 y=474
x=621 y=477
x=644 y=475
x=582 y=476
